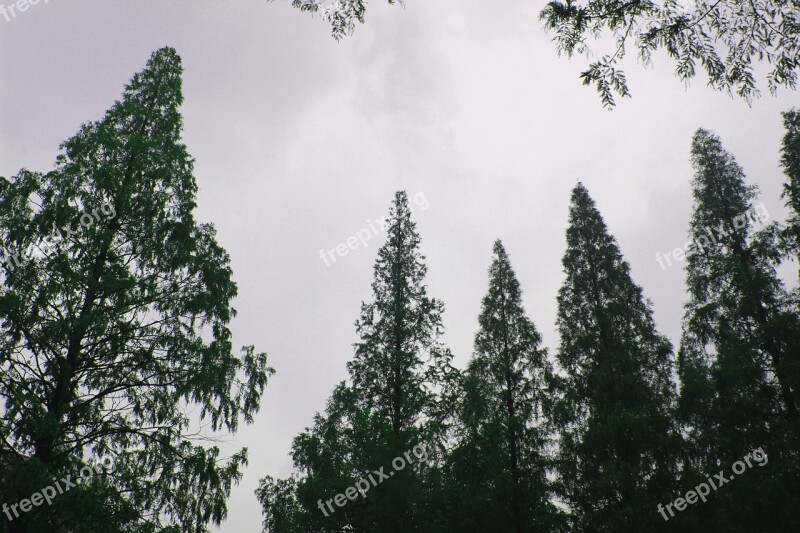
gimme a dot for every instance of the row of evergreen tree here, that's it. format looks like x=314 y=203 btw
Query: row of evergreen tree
x=596 y=437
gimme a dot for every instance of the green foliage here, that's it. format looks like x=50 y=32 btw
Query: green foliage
x=282 y=511
x=740 y=351
x=117 y=329
x=395 y=401
x=614 y=404
x=342 y=15
x=514 y=441
x=499 y=463
x=724 y=38
x=790 y=160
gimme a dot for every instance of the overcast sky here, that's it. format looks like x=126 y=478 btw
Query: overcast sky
x=299 y=141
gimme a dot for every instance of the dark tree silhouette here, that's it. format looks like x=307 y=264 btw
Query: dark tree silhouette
x=615 y=401
x=111 y=329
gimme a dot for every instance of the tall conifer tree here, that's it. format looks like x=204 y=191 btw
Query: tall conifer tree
x=615 y=399
x=499 y=466
x=113 y=321
x=740 y=348
x=393 y=402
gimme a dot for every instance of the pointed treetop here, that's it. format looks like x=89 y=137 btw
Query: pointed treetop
x=401 y=246
x=588 y=230
x=721 y=196
x=504 y=289
x=711 y=162
x=501 y=259
x=157 y=89
x=502 y=312
x=582 y=202
x=499 y=250
x=501 y=276
x=160 y=79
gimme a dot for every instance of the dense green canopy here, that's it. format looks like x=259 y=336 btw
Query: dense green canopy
x=114 y=305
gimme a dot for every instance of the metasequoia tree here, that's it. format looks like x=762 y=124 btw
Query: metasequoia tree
x=499 y=465
x=614 y=408
x=114 y=312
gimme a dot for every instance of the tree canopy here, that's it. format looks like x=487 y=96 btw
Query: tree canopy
x=723 y=39
x=114 y=312
x=615 y=432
